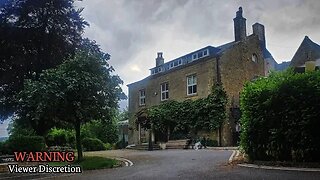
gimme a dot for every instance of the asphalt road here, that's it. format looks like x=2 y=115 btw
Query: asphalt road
x=174 y=164
x=186 y=164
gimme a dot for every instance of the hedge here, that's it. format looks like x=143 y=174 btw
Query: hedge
x=25 y=143
x=281 y=117
x=93 y=144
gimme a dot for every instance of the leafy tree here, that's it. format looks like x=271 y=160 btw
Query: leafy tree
x=34 y=35
x=105 y=131
x=123 y=115
x=77 y=91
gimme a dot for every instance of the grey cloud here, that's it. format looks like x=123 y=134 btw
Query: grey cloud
x=133 y=31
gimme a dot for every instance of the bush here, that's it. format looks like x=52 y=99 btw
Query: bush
x=107 y=132
x=93 y=144
x=60 y=137
x=108 y=146
x=281 y=117
x=121 y=144
x=26 y=143
x=212 y=143
x=4 y=148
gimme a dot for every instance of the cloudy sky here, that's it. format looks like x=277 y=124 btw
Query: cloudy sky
x=133 y=31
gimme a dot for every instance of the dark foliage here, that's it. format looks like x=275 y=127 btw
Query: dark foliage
x=281 y=118
x=93 y=144
x=34 y=35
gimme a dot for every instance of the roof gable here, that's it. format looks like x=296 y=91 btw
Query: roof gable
x=307 y=51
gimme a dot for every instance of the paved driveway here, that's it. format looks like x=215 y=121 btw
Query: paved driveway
x=184 y=164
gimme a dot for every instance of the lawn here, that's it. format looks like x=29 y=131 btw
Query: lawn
x=91 y=162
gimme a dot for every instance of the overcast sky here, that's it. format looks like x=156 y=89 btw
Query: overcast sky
x=133 y=31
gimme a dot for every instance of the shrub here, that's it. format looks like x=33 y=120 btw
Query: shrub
x=108 y=146
x=121 y=144
x=4 y=148
x=93 y=144
x=60 y=137
x=26 y=143
x=281 y=117
x=212 y=143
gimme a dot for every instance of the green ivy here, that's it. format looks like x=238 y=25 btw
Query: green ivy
x=189 y=116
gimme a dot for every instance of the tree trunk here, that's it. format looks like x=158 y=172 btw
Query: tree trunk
x=78 y=140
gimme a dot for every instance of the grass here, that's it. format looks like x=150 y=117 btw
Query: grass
x=91 y=163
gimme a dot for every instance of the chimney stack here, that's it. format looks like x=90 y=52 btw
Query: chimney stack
x=239 y=26
x=258 y=29
x=159 y=59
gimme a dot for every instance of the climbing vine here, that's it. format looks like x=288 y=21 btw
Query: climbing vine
x=189 y=116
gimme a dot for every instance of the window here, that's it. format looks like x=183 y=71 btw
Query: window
x=200 y=54
x=175 y=63
x=152 y=71
x=192 y=85
x=164 y=91
x=171 y=65
x=180 y=62
x=205 y=52
x=254 y=58
x=194 y=56
x=160 y=69
x=142 y=97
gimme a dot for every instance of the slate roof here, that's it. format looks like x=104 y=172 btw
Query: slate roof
x=307 y=51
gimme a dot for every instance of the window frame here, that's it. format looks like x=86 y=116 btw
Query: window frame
x=207 y=52
x=193 y=85
x=164 y=94
x=254 y=58
x=142 y=96
x=194 y=56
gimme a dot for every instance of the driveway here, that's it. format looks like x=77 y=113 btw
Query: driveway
x=183 y=164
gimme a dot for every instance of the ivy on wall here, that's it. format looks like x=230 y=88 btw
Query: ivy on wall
x=189 y=116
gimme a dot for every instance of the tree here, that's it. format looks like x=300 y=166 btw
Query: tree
x=34 y=35
x=105 y=131
x=77 y=91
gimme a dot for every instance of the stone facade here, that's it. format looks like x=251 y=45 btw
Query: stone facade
x=232 y=64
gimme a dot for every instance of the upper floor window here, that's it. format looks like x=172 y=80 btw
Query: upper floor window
x=164 y=91
x=194 y=56
x=200 y=54
x=171 y=65
x=180 y=62
x=142 y=97
x=254 y=58
x=191 y=85
x=205 y=52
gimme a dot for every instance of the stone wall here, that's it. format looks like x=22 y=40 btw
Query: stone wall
x=204 y=69
x=236 y=68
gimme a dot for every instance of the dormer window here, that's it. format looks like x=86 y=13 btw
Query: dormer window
x=180 y=62
x=200 y=54
x=205 y=52
x=194 y=56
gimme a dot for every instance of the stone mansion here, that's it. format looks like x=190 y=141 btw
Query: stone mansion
x=191 y=76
